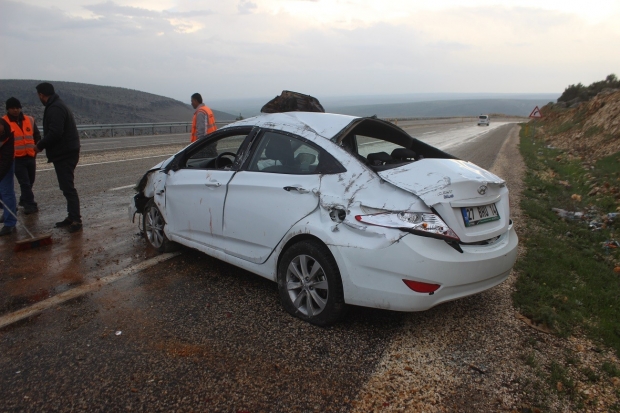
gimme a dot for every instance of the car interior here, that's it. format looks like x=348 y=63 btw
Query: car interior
x=380 y=145
x=275 y=153
x=377 y=144
x=279 y=153
x=220 y=154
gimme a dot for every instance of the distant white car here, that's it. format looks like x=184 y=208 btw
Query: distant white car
x=484 y=120
x=337 y=210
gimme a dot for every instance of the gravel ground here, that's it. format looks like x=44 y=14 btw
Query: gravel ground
x=468 y=355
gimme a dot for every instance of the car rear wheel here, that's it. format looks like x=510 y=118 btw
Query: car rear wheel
x=310 y=285
x=153 y=228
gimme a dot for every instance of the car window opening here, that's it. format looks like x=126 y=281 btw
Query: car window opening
x=279 y=153
x=220 y=154
x=382 y=145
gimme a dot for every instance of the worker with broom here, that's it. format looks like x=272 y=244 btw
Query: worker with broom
x=7 y=169
x=26 y=136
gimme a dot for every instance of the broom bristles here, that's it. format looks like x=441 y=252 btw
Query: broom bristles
x=24 y=245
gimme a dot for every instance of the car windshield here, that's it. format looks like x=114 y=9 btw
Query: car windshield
x=483 y=117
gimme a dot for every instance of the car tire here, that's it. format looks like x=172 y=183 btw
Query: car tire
x=153 y=228
x=310 y=285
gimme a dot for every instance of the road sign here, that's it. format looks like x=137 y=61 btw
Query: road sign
x=535 y=113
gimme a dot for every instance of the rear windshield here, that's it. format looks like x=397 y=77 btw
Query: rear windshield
x=483 y=117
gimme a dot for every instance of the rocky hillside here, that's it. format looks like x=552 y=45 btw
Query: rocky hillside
x=92 y=104
x=590 y=130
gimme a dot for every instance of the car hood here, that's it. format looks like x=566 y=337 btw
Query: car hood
x=442 y=180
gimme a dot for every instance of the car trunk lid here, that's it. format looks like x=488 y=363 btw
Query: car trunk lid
x=455 y=188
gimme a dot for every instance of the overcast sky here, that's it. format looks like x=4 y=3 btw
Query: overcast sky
x=255 y=48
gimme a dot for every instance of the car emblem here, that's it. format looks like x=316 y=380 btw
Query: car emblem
x=482 y=189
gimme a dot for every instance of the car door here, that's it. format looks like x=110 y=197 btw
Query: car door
x=196 y=188
x=277 y=187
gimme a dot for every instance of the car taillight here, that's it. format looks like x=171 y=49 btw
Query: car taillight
x=420 y=223
x=420 y=287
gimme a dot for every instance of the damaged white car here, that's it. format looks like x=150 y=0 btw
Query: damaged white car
x=337 y=210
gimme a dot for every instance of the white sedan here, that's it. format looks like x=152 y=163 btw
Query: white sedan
x=337 y=210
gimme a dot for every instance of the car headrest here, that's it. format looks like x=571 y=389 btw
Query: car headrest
x=404 y=153
x=280 y=150
x=382 y=157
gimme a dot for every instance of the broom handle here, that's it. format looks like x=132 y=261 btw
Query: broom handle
x=6 y=208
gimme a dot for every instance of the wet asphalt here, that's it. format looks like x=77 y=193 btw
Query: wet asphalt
x=190 y=334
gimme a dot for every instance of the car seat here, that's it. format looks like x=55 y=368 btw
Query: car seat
x=280 y=150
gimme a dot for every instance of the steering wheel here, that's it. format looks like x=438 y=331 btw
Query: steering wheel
x=219 y=157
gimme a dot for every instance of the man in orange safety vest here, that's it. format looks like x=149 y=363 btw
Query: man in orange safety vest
x=203 y=122
x=26 y=136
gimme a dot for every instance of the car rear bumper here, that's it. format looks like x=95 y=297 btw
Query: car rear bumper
x=374 y=278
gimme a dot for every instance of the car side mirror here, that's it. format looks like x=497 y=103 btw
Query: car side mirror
x=175 y=164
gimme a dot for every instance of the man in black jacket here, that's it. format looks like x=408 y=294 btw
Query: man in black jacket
x=7 y=190
x=61 y=143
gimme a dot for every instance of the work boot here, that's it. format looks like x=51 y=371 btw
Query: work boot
x=1 y=218
x=30 y=209
x=6 y=231
x=64 y=223
x=75 y=226
x=21 y=203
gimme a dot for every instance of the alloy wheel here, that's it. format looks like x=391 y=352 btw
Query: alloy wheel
x=154 y=227
x=307 y=285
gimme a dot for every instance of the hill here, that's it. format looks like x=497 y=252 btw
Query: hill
x=92 y=104
x=590 y=130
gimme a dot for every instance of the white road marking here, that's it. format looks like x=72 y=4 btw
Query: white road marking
x=103 y=163
x=426 y=133
x=122 y=187
x=41 y=306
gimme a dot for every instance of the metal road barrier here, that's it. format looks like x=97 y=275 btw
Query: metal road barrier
x=130 y=129
x=170 y=127
x=145 y=129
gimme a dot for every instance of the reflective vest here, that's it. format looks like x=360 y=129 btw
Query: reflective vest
x=24 y=140
x=210 y=126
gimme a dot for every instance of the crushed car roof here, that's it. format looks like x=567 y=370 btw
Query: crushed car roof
x=326 y=125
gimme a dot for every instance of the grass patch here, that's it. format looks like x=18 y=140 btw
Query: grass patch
x=530 y=359
x=590 y=374
x=560 y=378
x=564 y=127
x=566 y=278
x=593 y=130
x=611 y=369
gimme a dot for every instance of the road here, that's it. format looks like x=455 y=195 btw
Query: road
x=188 y=334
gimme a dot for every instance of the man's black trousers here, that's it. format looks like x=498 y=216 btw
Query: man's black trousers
x=65 y=173
x=25 y=170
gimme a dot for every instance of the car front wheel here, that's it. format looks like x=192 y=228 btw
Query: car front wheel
x=153 y=228
x=310 y=285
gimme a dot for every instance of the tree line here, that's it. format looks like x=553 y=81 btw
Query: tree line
x=585 y=93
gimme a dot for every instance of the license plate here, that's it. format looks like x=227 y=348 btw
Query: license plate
x=479 y=214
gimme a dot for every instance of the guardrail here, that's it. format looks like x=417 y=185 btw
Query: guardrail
x=130 y=129
x=112 y=128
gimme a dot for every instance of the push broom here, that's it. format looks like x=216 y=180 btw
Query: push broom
x=32 y=242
